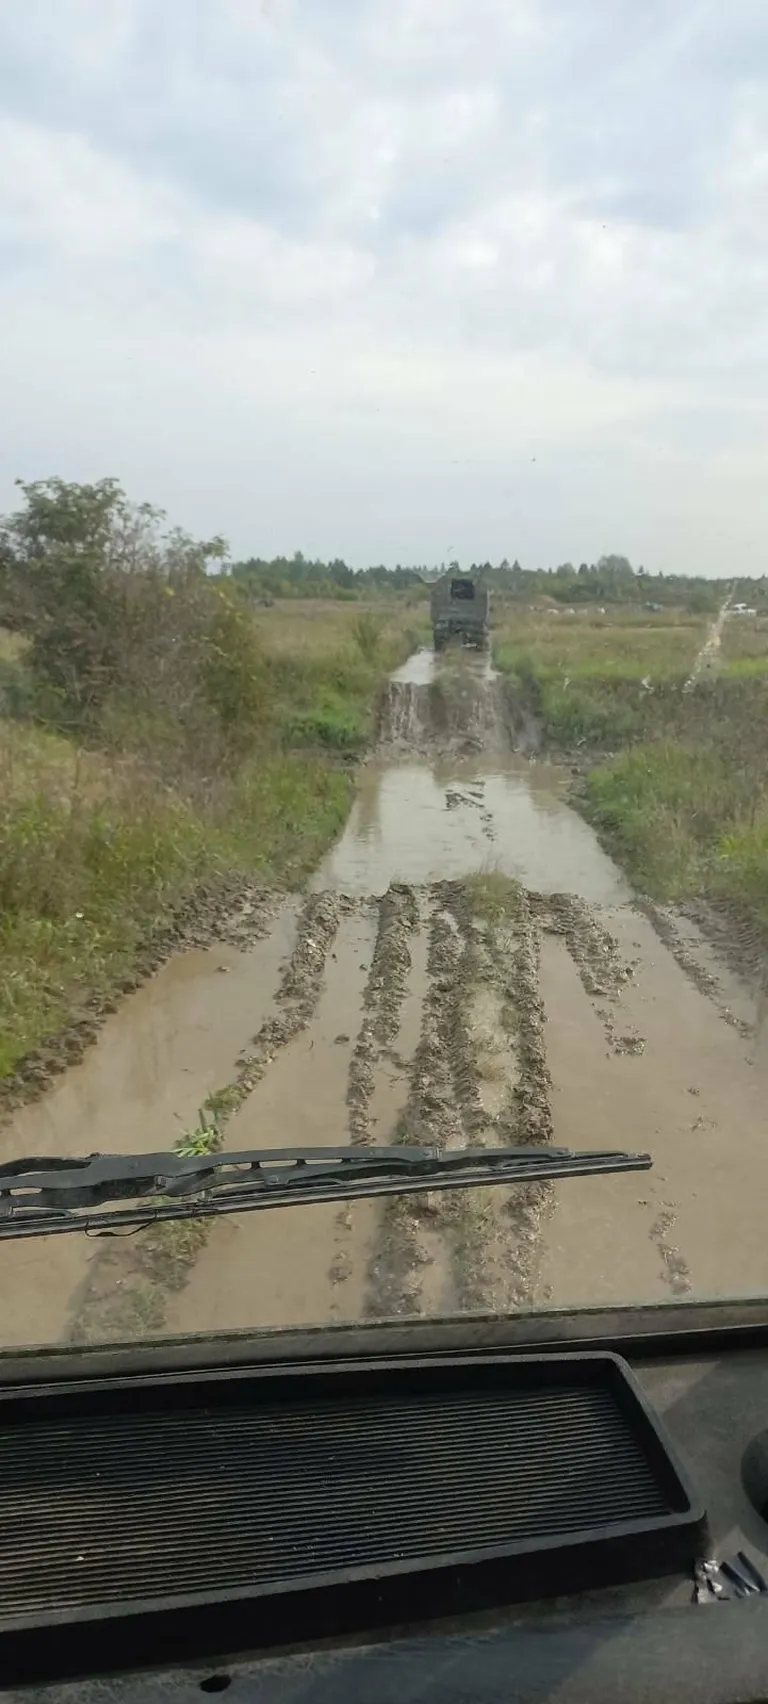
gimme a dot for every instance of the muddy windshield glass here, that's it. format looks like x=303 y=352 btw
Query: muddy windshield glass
x=384 y=645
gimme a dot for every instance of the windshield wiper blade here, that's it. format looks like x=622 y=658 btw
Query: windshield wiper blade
x=43 y=1196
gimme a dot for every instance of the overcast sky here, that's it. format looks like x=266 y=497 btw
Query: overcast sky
x=395 y=279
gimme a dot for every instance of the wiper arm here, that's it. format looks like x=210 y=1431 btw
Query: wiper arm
x=40 y=1197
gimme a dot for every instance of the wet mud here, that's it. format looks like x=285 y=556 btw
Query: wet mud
x=688 y=946
x=234 y=912
x=447 y=817
x=467 y=969
x=397 y=917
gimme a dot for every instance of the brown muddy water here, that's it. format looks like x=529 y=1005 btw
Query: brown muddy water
x=423 y=667
x=397 y=999
x=434 y=821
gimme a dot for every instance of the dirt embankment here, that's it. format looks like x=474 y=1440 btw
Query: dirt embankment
x=463 y=710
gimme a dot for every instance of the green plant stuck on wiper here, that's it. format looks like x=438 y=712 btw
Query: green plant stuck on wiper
x=39 y=1197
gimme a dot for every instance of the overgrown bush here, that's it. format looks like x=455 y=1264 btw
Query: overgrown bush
x=120 y=613
x=366 y=632
x=154 y=732
x=235 y=674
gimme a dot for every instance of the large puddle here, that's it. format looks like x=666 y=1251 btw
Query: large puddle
x=417 y=670
x=328 y=1019
x=421 y=668
x=424 y=822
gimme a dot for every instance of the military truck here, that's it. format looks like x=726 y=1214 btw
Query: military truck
x=460 y=608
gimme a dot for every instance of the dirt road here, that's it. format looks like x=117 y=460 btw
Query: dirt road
x=413 y=994
x=708 y=659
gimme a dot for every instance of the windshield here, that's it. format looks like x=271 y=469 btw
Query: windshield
x=384 y=644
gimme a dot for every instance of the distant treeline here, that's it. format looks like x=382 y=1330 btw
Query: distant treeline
x=612 y=579
x=297 y=577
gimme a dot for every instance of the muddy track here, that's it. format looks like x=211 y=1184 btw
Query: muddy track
x=382 y=1000
x=299 y=990
x=594 y=950
x=435 y=1012
x=670 y=928
x=458 y=713
x=470 y=969
x=232 y=911
x=509 y=1262
x=126 y=1293
x=419 y=1243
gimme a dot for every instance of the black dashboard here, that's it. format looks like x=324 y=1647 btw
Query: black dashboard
x=703 y=1369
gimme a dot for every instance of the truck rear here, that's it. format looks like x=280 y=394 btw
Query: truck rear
x=460 y=609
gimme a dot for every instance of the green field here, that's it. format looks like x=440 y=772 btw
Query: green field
x=598 y=681
x=675 y=776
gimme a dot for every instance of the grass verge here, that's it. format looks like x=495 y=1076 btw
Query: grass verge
x=98 y=852
x=598 y=686
x=686 y=821
x=96 y=857
x=682 y=800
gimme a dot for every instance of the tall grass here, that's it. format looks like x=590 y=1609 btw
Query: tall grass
x=682 y=800
x=622 y=649
x=686 y=821
x=325 y=672
x=745 y=637
x=599 y=686
x=367 y=634
x=642 y=803
x=94 y=857
x=98 y=846
x=91 y=857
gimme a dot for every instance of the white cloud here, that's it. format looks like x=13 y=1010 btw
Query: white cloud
x=332 y=276
x=62 y=197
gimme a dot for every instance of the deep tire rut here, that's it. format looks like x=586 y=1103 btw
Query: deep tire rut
x=462 y=1012
x=382 y=1002
x=126 y=1292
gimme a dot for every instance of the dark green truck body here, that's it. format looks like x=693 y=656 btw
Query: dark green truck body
x=460 y=609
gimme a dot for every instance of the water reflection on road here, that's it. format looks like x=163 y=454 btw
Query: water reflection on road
x=422 y=667
x=423 y=822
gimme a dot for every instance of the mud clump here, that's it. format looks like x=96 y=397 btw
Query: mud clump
x=299 y=990
x=533 y=1090
x=382 y=1002
x=432 y=1118
x=485 y=1240
x=513 y=1258
x=595 y=952
x=233 y=912
x=734 y=935
x=675 y=1269
x=453 y=900
x=663 y=920
x=396 y=1267
x=591 y=946
x=458 y=714
x=127 y=1288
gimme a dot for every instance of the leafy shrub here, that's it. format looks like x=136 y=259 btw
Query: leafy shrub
x=367 y=634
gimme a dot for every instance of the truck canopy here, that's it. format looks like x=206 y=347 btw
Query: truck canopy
x=460 y=609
